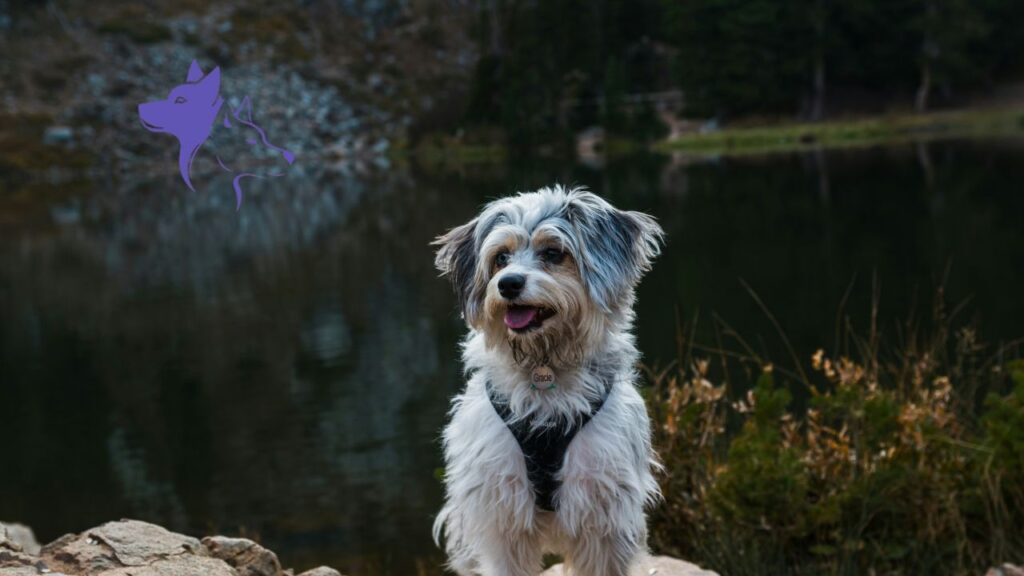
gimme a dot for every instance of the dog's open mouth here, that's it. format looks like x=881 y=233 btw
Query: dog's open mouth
x=523 y=318
x=150 y=126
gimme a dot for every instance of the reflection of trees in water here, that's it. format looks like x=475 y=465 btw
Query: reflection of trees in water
x=183 y=238
x=144 y=494
x=798 y=235
x=278 y=371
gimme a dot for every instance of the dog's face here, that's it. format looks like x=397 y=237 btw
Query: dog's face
x=189 y=108
x=547 y=273
x=254 y=135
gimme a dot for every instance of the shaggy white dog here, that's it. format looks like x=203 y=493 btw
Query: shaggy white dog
x=548 y=448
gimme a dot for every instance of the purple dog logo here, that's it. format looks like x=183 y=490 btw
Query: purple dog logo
x=189 y=113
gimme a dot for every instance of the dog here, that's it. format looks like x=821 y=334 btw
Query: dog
x=190 y=112
x=548 y=447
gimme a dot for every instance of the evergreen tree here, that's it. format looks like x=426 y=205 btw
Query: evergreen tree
x=548 y=67
x=742 y=56
x=944 y=30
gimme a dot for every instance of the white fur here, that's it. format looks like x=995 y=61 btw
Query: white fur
x=490 y=523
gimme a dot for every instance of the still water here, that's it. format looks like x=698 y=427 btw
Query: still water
x=283 y=372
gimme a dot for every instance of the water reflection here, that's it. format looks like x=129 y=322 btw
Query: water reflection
x=284 y=371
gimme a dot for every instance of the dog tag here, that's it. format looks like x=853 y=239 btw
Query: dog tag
x=542 y=378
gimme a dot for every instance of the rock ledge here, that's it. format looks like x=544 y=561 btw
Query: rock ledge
x=134 y=548
x=651 y=566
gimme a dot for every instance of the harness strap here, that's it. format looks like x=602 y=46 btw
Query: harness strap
x=544 y=448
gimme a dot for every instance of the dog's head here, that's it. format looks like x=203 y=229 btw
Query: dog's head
x=254 y=134
x=189 y=109
x=548 y=273
x=187 y=113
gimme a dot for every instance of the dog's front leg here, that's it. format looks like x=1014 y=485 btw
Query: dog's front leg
x=601 y=504
x=595 y=554
x=511 y=554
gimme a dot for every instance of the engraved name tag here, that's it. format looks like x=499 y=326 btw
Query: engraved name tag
x=542 y=375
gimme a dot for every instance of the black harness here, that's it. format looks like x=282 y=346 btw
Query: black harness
x=544 y=448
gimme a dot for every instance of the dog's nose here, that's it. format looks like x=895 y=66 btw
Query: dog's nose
x=511 y=285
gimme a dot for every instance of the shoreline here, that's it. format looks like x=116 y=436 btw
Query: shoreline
x=851 y=133
x=763 y=139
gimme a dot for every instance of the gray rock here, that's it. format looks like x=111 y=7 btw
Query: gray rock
x=1006 y=570
x=23 y=571
x=381 y=146
x=96 y=83
x=10 y=560
x=651 y=566
x=19 y=538
x=246 y=556
x=18 y=549
x=116 y=545
x=136 y=543
x=58 y=135
x=321 y=571
x=134 y=548
x=187 y=565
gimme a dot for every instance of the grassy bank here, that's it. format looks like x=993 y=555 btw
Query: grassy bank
x=851 y=133
x=877 y=459
x=443 y=150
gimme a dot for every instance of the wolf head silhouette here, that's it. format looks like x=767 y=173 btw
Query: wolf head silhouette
x=243 y=118
x=188 y=113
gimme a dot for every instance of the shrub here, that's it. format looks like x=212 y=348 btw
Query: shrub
x=886 y=468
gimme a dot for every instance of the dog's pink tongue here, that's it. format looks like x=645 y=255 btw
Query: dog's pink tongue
x=519 y=317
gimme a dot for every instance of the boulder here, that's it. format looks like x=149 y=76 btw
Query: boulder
x=58 y=135
x=321 y=571
x=1006 y=570
x=246 y=556
x=115 y=545
x=185 y=565
x=23 y=571
x=19 y=538
x=650 y=566
x=10 y=560
x=134 y=548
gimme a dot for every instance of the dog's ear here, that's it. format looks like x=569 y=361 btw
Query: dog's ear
x=457 y=259
x=244 y=110
x=616 y=247
x=209 y=86
x=194 y=72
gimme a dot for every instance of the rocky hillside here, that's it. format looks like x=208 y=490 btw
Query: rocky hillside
x=344 y=79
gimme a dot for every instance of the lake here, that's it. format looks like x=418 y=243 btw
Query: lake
x=283 y=372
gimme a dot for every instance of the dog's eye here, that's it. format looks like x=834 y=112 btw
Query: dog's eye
x=552 y=256
x=180 y=100
x=502 y=259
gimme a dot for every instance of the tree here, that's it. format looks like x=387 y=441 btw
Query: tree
x=536 y=54
x=945 y=30
x=742 y=56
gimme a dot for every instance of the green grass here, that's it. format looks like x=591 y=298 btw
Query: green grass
x=439 y=151
x=851 y=133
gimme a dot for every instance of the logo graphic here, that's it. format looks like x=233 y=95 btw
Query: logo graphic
x=190 y=113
